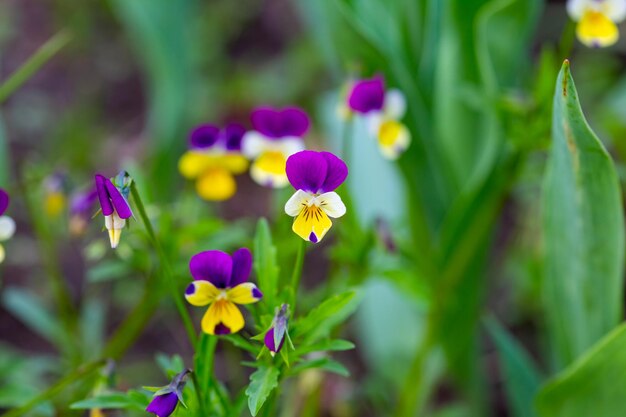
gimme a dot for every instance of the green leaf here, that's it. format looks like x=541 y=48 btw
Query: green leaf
x=321 y=320
x=327 y=345
x=583 y=232
x=265 y=264
x=262 y=383
x=31 y=312
x=118 y=400
x=520 y=374
x=326 y=364
x=594 y=385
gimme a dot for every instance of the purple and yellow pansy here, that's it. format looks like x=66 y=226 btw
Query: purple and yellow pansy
x=315 y=176
x=597 y=20
x=220 y=282
x=7 y=225
x=213 y=158
x=276 y=136
x=113 y=199
x=383 y=111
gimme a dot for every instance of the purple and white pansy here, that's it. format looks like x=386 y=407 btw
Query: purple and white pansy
x=113 y=199
x=277 y=134
x=315 y=176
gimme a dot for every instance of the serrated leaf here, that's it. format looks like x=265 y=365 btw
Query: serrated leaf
x=265 y=263
x=593 y=385
x=583 y=231
x=321 y=320
x=262 y=383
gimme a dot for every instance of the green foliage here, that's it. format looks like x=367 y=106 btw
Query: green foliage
x=583 y=232
x=262 y=382
x=593 y=385
x=321 y=320
x=265 y=264
x=131 y=400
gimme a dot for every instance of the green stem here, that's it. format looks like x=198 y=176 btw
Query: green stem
x=297 y=274
x=34 y=63
x=62 y=384
x=167 y=270
x=346 y=142
x=199 y=395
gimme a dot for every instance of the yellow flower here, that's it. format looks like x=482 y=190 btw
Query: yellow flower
x=597 y=20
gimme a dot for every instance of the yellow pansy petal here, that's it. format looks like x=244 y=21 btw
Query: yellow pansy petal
x=269 y=169
x=54 y=204
x=246 y=293
x=200 y=293
x=216 y=184
x=596 y=30
x=2 y=253
x=233 y=162
x=224 y=313
x=194 y=163
x=393 y=139
x=312 y=224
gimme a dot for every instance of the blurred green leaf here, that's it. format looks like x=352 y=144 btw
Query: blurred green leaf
x=521 y=376
x=326 y=364
x=327 y=345
x=262 y=383
x=321 y=320
x=119 y=400
x=593 y=385
x=583 y=232
x=265 y=264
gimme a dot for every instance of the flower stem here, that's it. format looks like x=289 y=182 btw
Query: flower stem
x=62 y=384
x=199 y=391
x=297 y=274
x=167 y=270
x=346 y=141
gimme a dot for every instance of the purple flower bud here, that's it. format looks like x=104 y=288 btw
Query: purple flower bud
x=269 y=342
x=163 y=405
x=275 y=336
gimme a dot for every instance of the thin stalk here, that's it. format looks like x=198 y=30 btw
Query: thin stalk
x=199 y=395
x=71 y=378
x=167 y=270
x=297 y=274
x=346 y=141
x=34 y=63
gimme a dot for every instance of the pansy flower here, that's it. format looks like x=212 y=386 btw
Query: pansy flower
x=81 y=209
x=275 y=337
x=597 y=20
x=221 y=283
x=166 y=399
x=54 y=187
x=7 y=225
x=315 y=176
x=113 y=199
x=276 y=136
x=383 y=111
x=212 y=160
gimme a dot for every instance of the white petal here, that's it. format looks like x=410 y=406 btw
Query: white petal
x=615 y=10
x=7 y=227
x=576 y=8
x=293 y=207
x=395 y=104
x=400 y=144
x=113 y=222
x=331 y=204
x=373 y=121
x=290 y=145
x=253 y=144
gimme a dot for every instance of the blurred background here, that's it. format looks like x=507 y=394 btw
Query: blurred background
x=131 y=80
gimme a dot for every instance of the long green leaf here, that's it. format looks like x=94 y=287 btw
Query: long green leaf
x=321 y=320
x=583 y=231
x=265 y=263
x=594 y=385
x=262 y=383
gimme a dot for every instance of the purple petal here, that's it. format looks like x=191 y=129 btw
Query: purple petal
x=82 y=203
x=269 y=341
x=275 y=124
x=295 y=121
x=242 y=266
x=233 y=133
x=204 y=136
x=119 y=202
x=214 y=266
x=103 y=195
x=163 y=405
x=220 y=328
x=336 y=173
x=307 y=170
x=4 y=201
x=367 y=95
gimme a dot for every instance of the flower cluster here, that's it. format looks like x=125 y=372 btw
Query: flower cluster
x=7 y=225
x=597 y=20
x=212 y=160
x=383 y=111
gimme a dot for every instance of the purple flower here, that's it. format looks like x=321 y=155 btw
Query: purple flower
x=4 y=201
x=81 y=210
x=367 y=95
x=221 y=283
x=166 y=399
x=275 y=337
x=315 y=176
x=114 y=204
x=204 y=136
x=277 y=135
